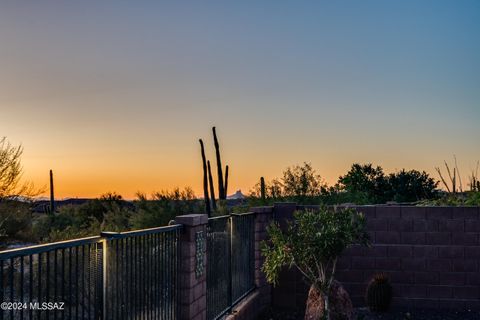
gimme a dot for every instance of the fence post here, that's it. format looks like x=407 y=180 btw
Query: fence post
x=193 y=280
x=104 y=244
x=263 y=217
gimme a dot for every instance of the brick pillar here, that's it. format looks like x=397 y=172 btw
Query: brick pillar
x=193 y=279
x=263 y=217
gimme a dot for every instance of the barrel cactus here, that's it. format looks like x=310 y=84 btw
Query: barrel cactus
x=379 y=293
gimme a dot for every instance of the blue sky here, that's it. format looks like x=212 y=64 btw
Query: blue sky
x=93 y=89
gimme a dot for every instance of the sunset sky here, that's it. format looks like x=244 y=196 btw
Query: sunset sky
x=113 y=95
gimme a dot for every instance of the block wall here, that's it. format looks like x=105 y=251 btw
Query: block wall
x=431 y=254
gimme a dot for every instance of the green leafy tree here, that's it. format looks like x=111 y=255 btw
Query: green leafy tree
x=312 y=243
x=413 y=185
x=273 y=190
x=301 y=182
x=365 y=184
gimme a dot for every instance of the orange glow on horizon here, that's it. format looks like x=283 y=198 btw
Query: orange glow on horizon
x=86 y=183
x=115 y=97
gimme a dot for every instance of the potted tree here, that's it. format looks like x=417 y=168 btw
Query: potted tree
x=312 y=243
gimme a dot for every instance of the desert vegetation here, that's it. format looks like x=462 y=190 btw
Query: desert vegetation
x=15 y=195
x=312 y=243
x=110 y=212
x=19 y=222
x=362 y=184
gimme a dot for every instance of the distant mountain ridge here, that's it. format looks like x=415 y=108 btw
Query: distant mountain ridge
x=236 y=195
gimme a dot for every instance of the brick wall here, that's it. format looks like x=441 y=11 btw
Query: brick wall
x=432 y=255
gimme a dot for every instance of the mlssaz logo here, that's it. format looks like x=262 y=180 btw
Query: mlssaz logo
x=47 y=305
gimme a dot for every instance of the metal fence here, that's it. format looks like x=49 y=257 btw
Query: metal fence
x=230 y=262
x=143 y=268
x=65 y=272
x=242 y=255
x=126 y=275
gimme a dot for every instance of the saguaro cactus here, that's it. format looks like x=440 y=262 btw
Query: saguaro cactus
x=212 y=187
x=262 y=188
x=226 y=181
x=221 y=186
x=52 y=194
x=205 y=180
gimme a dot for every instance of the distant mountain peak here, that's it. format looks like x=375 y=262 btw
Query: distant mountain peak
x=236 y=195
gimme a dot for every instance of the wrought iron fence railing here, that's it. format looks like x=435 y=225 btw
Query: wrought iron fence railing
x=243 y=256
x=67 y=273
x=126 y=275
x=143 y=269
x=230 y=261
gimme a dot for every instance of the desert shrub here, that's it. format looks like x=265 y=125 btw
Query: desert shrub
x=70 y=222
x=312 y=243
x=109 y=212
x=473 y=198
x=15 y=220
x=117 y=219
x=71 y=232
x=468 y=198
x=299 y=183
x=150 y=214
x=163 y=207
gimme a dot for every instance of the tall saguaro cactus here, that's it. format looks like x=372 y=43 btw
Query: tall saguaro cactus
x=226 y=181
x=208 y=177
x=212 y=187
x=221 y=186
x=52 y=194
x=205 y=180
x=262 y=188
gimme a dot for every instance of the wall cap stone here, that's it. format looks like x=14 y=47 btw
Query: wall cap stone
x=284 y=204
x=262 y=209
x=192 y=220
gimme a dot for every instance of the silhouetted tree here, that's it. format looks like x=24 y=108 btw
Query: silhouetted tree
x=15 y=216
x=301 y=182
x=366 y=184
x=11 y=172
x=410 y=186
